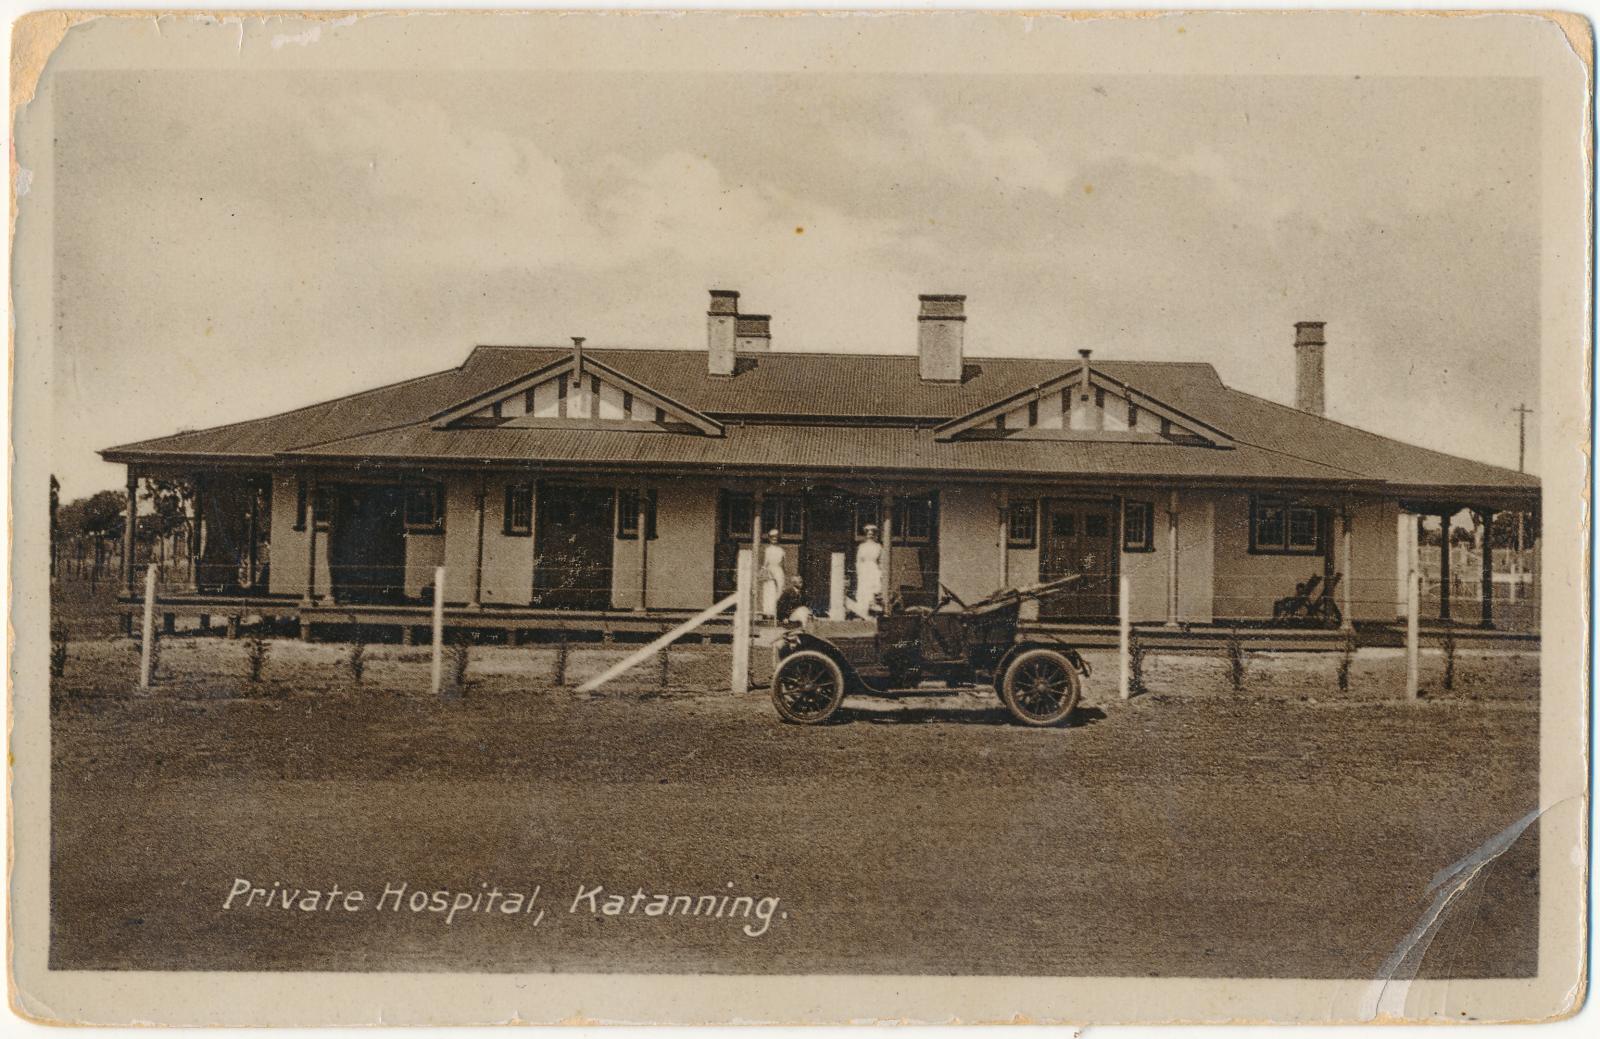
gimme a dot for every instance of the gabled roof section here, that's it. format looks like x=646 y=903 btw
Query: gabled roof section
x=577 y=389
x=1084 y=404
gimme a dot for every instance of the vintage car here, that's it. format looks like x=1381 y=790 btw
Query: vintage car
x=957 y=644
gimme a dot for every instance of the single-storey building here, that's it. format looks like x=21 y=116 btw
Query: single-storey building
x=551 y=480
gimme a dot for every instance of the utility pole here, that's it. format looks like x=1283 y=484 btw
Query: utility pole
x=1523 y=411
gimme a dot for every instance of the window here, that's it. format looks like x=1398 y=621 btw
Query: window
x=323 y=508
x=1022 y=524
x=786 y=514
x=1138 y=526
x=1277 y=527
x=736 y=517
x=424 y=507
x=913 y=521
x=628 y=515
x=519 y=510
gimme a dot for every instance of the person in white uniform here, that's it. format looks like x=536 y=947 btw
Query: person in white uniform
x=771 y=577
x=869 y=574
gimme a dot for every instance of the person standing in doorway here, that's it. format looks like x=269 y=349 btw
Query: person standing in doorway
x=772 y=575
x=869 y=573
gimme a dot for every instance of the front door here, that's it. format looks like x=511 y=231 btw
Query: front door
x=833 y=524
x=573 y=568
x=1080 y=537
x=367 y=549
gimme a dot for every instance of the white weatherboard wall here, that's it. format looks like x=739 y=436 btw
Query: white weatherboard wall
x=680 y=558
x=289 y=546
x=969 y=541
x=1247 y=585
x=1375 y=541
x=507 y=558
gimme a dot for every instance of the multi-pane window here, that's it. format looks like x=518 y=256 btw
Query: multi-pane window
x=1138 y=526
x=1279 y=527
x=786 y=514
x=913 y=521
x=628 y=515
x=519 y=510
x=424 y=507
x=1022 y=524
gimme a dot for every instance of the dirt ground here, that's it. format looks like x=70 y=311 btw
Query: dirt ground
x=1288 y=830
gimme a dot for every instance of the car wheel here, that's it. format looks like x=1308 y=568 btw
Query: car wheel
x=1040 y=687
x=807 y=687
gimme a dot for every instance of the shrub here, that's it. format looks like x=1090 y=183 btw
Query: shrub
x=59 y=637
x=1135 y=663
x=356 y=660
x=1347 y=658
x=560 y=677
x=460 y=660
x=256 y=651
x=155 y=653
x=664 y=664
x=1449 y=647
x=1234 y=647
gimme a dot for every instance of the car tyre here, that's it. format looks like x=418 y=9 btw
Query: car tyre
x=807 y=687
x=1040 y=687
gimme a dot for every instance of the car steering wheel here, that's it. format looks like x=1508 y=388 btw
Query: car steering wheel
x=949 y=597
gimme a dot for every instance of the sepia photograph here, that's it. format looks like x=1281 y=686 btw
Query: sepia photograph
x=637 y=517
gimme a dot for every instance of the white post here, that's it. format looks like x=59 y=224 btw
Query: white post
x=1124 y=642
x=438 y=629
x=740 y=680
x=149 y=626
x=1413 y=595
x=836 y=587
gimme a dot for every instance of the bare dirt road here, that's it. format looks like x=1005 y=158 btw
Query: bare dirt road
x=1206 y=836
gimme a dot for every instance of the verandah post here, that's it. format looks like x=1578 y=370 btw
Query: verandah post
x=129 y=531
x=1444 y=566
x=644 y=548
x=311 y=540
x=1346 y=520
x=1172 y=560
x=438 y=629
x=740 y=679
x=477 y=521
x=1487 y=567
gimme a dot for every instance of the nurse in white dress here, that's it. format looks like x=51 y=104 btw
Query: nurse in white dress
x=772 y=575
x=869 y=573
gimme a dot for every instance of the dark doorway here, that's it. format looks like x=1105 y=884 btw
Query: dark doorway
x=572 y=570
x=1080 y=537
x=834 y=519
x=367 y=543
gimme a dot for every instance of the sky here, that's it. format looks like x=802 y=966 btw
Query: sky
x=230 y=245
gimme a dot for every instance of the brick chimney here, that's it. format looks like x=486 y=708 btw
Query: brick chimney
x=721 y=333
x=1308 y=366
x=752 y=333
x=941 y=329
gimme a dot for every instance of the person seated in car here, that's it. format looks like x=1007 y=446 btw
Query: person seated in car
x=792 y=607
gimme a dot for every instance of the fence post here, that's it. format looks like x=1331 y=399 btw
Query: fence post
x=1413 y=594
x=149 y=626
x=438 y=630
x=1124 y=650
x=740 y=680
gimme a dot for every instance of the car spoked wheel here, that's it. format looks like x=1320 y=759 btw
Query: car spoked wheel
x=1040 y=687
x=807 y=688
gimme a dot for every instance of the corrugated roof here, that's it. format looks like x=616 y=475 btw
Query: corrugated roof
x=1273 y=441
x=802 y=447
